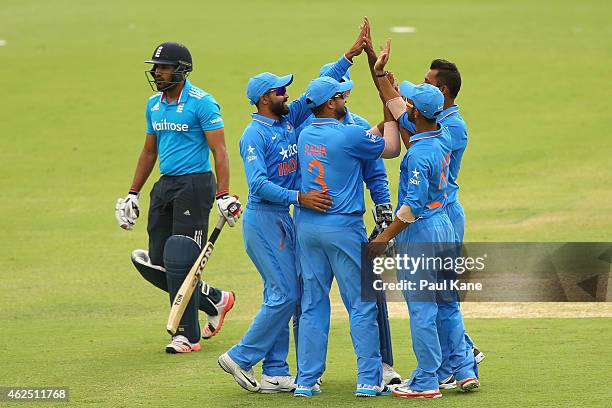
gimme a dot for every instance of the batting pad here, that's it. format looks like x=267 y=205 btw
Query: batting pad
x=156 y=275
x=180 y=253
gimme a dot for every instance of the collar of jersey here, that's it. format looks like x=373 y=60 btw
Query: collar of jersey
x=182 y=97
x=348 y=118
x=325 y=121
x=451 y=110
x=265 y=120
x=426 y=135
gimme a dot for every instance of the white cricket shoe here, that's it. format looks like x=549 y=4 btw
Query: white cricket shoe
x=404 y=391
x=448 y=383
x=469 y=384
x=214 y=323
x=180 y=344
x=478 y=355
x=390 y=376
x=245 y=378
x=279 y=383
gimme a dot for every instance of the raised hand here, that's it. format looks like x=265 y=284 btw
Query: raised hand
x=392 y=81
x=359 y=43
x=383 y=58
x=369 y=48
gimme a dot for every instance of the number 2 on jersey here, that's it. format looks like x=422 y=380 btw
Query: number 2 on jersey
x=319 y=178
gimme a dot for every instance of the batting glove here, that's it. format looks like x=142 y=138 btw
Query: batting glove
x=383 y=217
x=127 y=210
x=229 y=207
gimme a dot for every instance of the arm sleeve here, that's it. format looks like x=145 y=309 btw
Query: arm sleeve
x=252 y=149
x=406 y=124
x=375 y=177
x=150 y=130
x=209 y=114
x=361 y=144
x=338 y=70
x=418 y=186
x=298 y=110
x=374 y=171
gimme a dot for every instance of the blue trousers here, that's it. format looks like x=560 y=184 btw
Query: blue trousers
x=456 y=215
x=269 y=238
x=325 y=252
x=432 y=318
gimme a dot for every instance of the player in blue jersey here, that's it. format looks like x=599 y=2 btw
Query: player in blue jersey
x=421 y=223
x=445 y=76
x=331 y=157
x=375 y=178
x=269 y=152
x=184 y=124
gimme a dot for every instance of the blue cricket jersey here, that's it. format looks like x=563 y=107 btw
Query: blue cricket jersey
x=455 y=142
x=269 y=150
x=179 y=127
x=374 y=171
x=423 y=174
x=331 y=159
x=454 y=123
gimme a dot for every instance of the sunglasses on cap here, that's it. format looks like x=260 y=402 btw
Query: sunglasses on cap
x=339 y=95
x=282 y=91
x=408 y=104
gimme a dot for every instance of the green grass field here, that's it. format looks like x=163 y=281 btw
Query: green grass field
x=74 y=312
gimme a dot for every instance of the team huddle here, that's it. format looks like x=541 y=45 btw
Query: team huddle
x=315 y=155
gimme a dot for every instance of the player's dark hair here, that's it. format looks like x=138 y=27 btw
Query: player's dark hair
x=448 y=75
x=318 y=110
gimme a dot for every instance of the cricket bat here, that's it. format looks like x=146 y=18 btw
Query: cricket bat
x=191 y=281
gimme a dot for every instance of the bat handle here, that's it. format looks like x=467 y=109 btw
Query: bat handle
x=217 y=230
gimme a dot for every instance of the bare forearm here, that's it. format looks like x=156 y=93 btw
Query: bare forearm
x=386 y=90
x=405 y=136
x=222 y=171
x=145 y=165
x=393 y=230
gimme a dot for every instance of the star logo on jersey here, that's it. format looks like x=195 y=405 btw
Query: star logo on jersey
x=284 y=152
x=414 y=179
x=251 y=156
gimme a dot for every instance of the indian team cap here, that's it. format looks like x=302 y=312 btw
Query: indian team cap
x=427 y=98
x=346 y=77
x=262 y=83
x=323 y=88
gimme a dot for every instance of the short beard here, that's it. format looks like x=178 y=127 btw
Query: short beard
x=340 y=112
x=279 y=109
x=411 y=116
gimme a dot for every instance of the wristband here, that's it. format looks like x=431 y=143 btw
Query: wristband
x=384 y=74
x=397 y=106
x=404 y=213
x=221 y=194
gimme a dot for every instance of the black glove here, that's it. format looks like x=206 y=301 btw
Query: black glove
x=383 y=217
